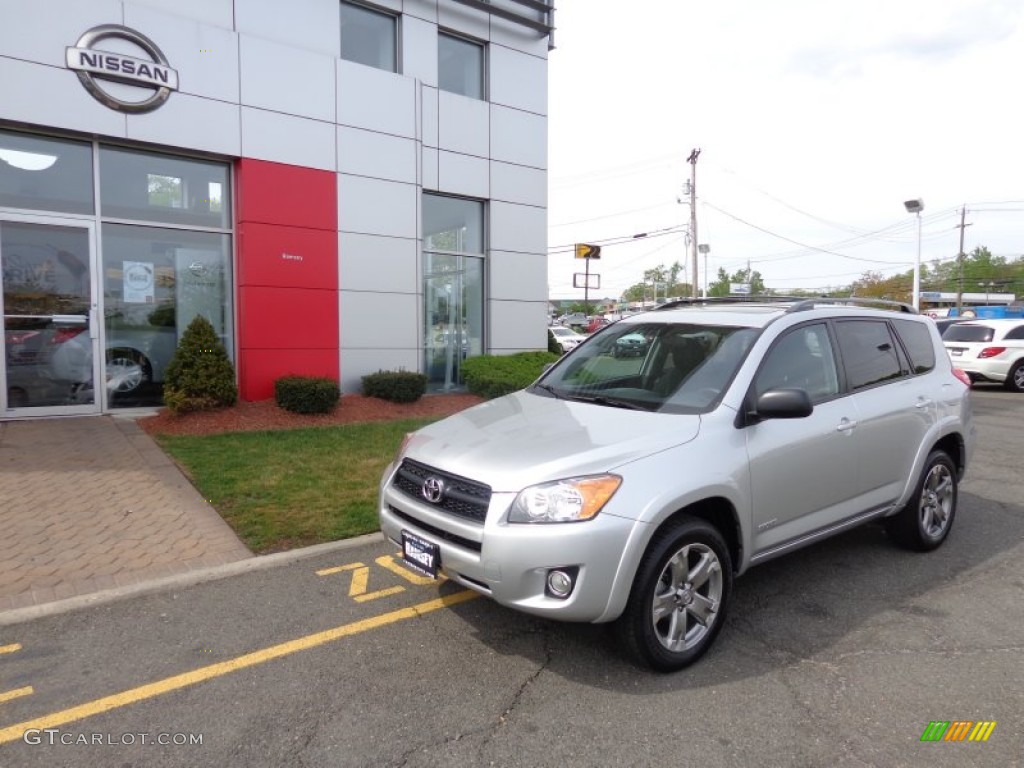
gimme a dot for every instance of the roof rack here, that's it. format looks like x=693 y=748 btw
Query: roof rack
x=797 y=303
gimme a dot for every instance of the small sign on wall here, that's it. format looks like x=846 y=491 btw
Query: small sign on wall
x=139 y=282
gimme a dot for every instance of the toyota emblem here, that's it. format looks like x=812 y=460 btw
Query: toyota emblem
x=433 y=489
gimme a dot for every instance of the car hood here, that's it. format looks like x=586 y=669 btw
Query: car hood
x=522 y=439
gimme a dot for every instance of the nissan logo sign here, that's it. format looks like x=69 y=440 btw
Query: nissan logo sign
x=433 y=489
x=95 y=65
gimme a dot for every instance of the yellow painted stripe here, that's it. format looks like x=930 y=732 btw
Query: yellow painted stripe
x=339 y=569
x=10 y=648
x=176 y=682
x=379 y=593
x=400 y=570
x=17 y=693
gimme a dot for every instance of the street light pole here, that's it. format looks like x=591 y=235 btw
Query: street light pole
x=916 y=206
x=704 y=248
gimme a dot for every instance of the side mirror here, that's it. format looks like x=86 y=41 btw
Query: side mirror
x=780 y=404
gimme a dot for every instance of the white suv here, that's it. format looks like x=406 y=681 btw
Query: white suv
x=989 y=350
x=633 y=489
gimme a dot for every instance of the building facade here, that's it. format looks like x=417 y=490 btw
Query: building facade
x=338 y=187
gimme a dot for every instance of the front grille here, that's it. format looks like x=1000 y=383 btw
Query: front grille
x=452 y=538
x=462 y=498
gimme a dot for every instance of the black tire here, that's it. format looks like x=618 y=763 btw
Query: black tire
x=1015 y=380
x=927 y=519
x=127 y=370
x=648 y=639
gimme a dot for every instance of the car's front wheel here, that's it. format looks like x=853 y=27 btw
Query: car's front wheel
x=679 y=598
x=126 y=370
x=1015 y=381
x=925 y=522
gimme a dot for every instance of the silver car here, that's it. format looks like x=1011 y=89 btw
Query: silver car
x=634 y=489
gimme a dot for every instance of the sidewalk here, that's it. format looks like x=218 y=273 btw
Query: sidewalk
x=92 y=503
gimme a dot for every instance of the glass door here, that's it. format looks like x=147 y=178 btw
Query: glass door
x=49 y=361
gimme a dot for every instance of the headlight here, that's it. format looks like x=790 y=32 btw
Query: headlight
x=564 y=501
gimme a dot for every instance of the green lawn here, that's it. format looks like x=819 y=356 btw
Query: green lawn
x=285 y=489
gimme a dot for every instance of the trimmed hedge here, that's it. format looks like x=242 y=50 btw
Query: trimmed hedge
x=307 y=394
x=396 y=386
x=496 y=375
x=200 y=376
x=553 y=346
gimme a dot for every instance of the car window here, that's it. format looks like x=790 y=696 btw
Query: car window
x=917 y=340
x=1015 y=333
x=968 y=332
x=869 y=353
x=801 y=359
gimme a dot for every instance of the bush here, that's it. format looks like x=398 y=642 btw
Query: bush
x=200 y=377
x=307 y=394
x=396 y=386
x=497 y=375
x=553 y=346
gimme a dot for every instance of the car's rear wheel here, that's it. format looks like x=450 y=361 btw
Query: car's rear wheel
x=1015 y=381
x=127 y=370
x=679 y=598
x=925 y=522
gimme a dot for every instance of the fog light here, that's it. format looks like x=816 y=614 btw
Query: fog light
x=560 y=583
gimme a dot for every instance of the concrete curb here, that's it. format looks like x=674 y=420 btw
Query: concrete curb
x=187 y=579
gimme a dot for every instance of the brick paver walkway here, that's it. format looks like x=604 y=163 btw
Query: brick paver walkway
x=92 y=503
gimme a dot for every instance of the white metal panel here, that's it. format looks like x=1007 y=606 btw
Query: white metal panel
x=35 y=31
x=519 y=137
x=419 y=50
x=463 y=124
x=518 y=275
x=467 y=21
x=287 y=79
x=378 y=320
x=520 y=228
x=356 y=363
x=430 y=168
x=512 y=35
x=421 y=9
x=463 y=175
x=367 y=153
x=220 y=13
x=518 y=80
x=429 y=116
x=519 y=184
x=375 y=207
x=67 y=103
x=190 y=122
x=376 y=263
x=313 y=25
x=376 y=100
x=205 y=56
x=288 y=139
x=517 y=325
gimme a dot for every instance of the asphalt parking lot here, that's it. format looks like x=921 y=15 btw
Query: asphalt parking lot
x=841 y=655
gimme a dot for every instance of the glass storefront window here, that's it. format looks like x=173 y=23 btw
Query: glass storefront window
x=155 y=281
x=453 y=275
x=149 y=187
x=460 y=66
x=43 y=174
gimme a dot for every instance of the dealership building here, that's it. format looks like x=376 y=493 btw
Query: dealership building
x=338 y=187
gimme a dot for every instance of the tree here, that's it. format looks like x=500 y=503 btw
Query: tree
x=721 y=286
x=200 y=376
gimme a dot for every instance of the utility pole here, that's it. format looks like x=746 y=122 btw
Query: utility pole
x=960 y=263
x=692 y=160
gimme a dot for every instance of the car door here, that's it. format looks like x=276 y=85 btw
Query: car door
x=804 y=471
x=895 y=406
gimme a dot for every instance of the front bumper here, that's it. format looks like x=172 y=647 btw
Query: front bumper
x=510 y=562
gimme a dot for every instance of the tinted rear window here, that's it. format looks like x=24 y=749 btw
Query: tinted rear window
x=869 y=354
x=967 y=332
x=917 y=340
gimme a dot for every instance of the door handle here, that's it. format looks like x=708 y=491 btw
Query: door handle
x=923 y=402
x=846 y=425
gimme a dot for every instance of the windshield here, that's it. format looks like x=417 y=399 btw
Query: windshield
x=665 y=367
x=965 y=332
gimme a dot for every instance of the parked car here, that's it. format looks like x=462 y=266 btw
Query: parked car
x=630 y=345
x=574 y=319
x=989 y=350
x=635 y=493
x=567 y=338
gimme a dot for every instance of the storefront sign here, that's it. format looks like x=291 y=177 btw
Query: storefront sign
x=138 y=282
x=95 y=65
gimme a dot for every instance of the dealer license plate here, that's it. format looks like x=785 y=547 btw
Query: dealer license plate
x=956 y=352
x=420 y=555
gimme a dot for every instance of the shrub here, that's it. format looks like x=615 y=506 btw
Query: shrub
x=553 y=346
x=497 y=375
x=307 y=394
x=396 y=386
x=200 y=377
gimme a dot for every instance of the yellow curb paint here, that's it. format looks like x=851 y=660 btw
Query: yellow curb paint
x=10 y=648
x=176 y=682
x=339 y=569
x=17 y=693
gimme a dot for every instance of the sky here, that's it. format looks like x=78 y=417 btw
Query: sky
x=815 y=119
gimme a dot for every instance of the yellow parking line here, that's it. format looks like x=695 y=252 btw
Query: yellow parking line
x=176 y=682
x=16 y=693
x=10 y=648
x=339 y=569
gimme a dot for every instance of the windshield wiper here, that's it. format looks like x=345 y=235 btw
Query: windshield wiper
x=548 y=388
x=612 y=402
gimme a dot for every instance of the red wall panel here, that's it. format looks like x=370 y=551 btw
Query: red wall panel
x=274 y=255
x=288 y=318
x=274 y=193
x=260 y=368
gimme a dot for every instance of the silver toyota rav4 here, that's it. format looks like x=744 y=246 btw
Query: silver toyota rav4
x=634 y=489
